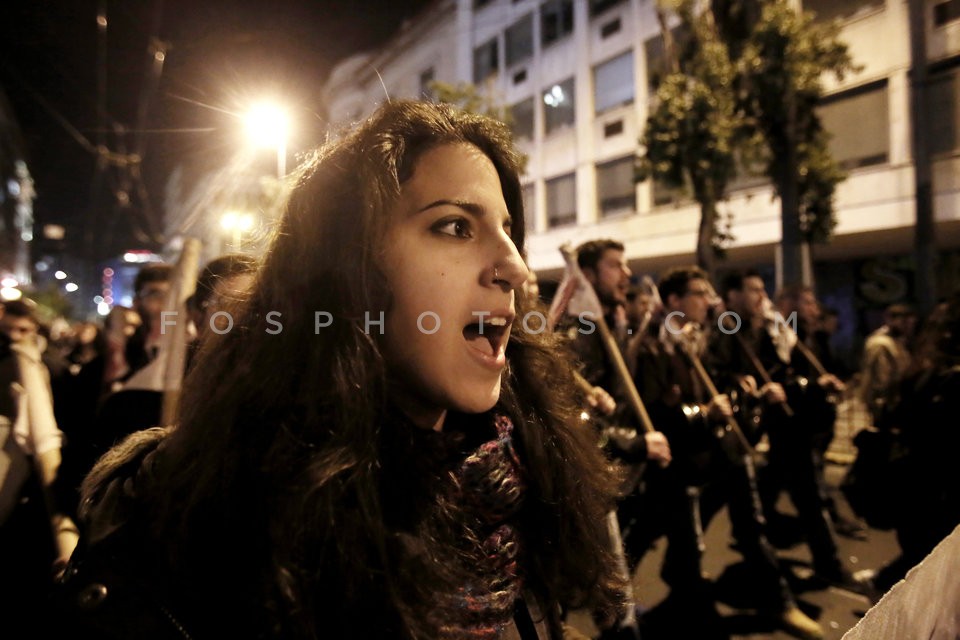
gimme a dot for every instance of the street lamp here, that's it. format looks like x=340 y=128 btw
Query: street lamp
x=268 y=126
x=237 y=224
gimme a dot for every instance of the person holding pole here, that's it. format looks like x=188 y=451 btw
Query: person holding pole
x=630 y=446
x=713 y=465
x=604 y=267
x=798 y=443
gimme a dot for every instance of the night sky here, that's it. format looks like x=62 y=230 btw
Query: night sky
x=220 y=55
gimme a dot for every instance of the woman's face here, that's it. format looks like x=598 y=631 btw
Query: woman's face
x=450 y=262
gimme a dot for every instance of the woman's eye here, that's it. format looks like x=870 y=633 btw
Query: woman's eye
x=458 y=228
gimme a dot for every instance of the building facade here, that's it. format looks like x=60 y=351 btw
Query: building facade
x=579 y=75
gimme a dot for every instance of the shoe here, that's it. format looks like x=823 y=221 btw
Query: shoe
x=838 y=576
x=797 y=623
x=865 y=579
x=865 y=575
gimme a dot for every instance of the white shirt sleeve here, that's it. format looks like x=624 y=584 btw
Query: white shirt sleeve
x=36 y=428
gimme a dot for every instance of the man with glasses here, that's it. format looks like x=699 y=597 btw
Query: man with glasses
x=708 y=470
x=151 y=288
x=127 y=410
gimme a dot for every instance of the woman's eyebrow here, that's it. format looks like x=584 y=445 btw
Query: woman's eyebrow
x=470 y=207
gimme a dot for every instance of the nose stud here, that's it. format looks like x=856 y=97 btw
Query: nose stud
x=496 y=274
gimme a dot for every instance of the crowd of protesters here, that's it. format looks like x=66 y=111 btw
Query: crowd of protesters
x=749 y=408
x=341 y=484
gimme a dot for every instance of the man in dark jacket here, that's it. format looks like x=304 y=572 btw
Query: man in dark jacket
x=711 y=467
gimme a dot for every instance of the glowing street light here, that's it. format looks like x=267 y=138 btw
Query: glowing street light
x=237 y=223
x=268 y=125
x=60 y=275
x=71 y=287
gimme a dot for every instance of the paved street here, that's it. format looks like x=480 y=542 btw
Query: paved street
x=837 y=610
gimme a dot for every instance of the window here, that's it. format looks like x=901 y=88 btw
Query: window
x=529 y=208
x=859 y=123
x=485 y=61
x=558 y=106
x=945 y=12
x=556 y=20
x=599 y=6
x=656 y=57
x=561 y=200
x=519 y=40
x=610 y=28
x=614 y=128
x=826 y=10
x=426 y=84
x=613 y=82
x=748 y=174
x=522 y=114
x=943 y=111
x=664 y=194
x=616 y=192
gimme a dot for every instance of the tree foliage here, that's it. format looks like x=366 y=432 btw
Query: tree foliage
x=694 y=128
x=468 y=97
x=743 y=92
x=784 y=63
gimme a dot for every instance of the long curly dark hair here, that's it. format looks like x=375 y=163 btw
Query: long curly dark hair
x=270 y=489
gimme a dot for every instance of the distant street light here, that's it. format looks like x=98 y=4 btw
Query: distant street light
x=268 y=126
x=237 y=224
x=71 y=287
x=60 y=275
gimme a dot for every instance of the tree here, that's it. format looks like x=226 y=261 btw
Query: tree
x=51 y=303
x=468 y=97
x=746 y=85
x=783 y=63
x=694 y=129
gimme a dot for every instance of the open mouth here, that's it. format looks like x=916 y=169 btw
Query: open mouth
x=490 y=338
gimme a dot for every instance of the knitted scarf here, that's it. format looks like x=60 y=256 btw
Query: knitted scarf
x=471 y=578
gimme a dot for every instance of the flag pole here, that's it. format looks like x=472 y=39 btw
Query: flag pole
x=606 y=336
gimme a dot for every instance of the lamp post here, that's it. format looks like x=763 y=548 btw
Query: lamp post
x=269 y=126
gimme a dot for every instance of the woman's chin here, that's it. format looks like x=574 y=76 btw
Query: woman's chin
x=479 y=402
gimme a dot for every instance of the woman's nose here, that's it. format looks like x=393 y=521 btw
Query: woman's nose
x=509 y=270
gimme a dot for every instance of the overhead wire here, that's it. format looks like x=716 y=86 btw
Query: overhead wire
x=128 y=184
x=157 y=50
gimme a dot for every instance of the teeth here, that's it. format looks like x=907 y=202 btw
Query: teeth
x=497 y=322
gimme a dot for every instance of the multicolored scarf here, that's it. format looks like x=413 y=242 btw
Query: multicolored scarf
x=476 y=502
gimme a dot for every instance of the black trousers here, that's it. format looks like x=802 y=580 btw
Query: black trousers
x=672 y=507
x=795 y=464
